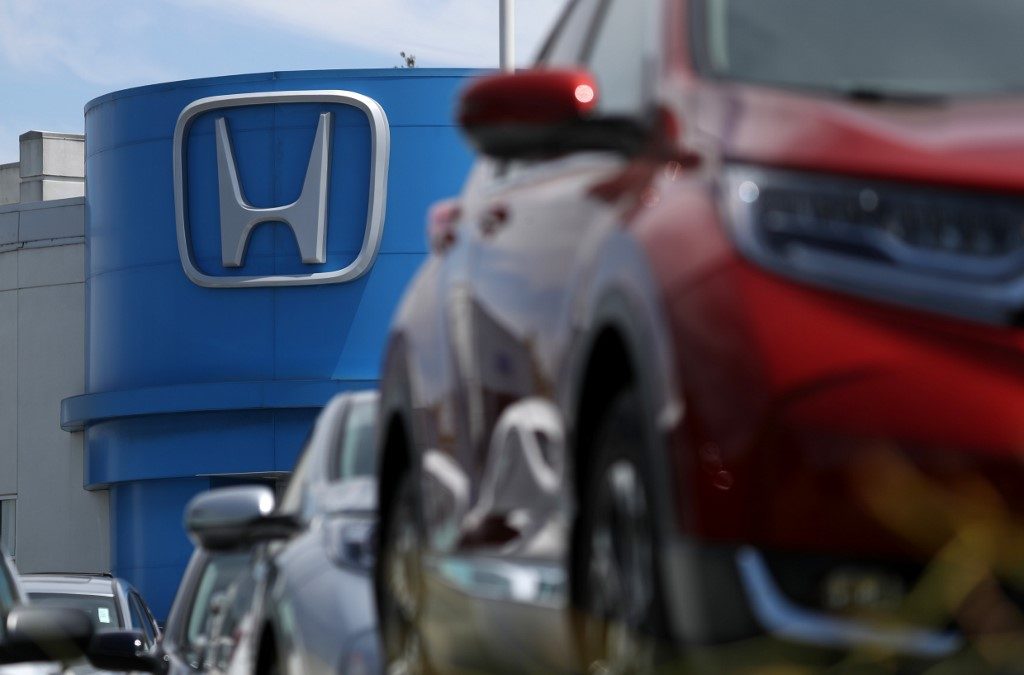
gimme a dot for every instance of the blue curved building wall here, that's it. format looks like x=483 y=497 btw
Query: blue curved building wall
x=186 y=384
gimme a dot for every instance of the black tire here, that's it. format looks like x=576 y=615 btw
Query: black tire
x=268 y=662
x=399 y=582
x=617 y=592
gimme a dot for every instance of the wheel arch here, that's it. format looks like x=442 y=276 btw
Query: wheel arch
x=394 y=442
x=626 y=342
x=267 y=650
x=395 y=448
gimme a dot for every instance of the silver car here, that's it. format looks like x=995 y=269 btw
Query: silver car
x=305 y=604
x=111 y=603
x=31 y=636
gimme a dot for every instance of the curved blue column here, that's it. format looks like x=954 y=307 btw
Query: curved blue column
x=185 y=381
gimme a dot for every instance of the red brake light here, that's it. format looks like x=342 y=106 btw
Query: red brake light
x=533 y=97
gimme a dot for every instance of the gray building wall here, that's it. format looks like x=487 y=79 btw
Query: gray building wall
x=59 y=526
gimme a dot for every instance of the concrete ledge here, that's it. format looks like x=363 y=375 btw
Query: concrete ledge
x=78 y=412
x=35 y=206
x=58 y=222
x=58 y=135
x=53 y=223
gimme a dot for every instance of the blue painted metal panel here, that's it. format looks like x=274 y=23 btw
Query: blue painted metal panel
x=150 y=547
x=90 y=409
x=185 y=381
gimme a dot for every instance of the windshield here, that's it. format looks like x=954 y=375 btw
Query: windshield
x=874 y=47
x=358 y=443
x=102 y=609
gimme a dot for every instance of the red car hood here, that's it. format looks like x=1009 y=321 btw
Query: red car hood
x=976 y=143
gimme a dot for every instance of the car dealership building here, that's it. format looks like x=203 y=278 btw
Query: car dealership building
x=234 y=262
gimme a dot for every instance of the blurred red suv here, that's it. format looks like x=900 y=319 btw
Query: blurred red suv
x=718 y=355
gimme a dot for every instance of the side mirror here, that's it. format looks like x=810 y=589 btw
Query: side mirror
x=123 y=650
x=538 y=113
x=236 y=517
x=45 y=634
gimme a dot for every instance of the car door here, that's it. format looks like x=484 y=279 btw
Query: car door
x=348 y=526
x=208 y=576
x=441 y=375
x=320 y=588
x=542 y=220
x=283 y=566
x=140 y=620
x=488 y=363
x=182 y=658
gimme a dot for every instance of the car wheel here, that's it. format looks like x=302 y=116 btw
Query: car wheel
x=615 y=578
x=269 y=661
x=401 y=583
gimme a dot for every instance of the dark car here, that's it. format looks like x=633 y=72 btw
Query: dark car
x=110 y=602
x=275 y=588
x=39 y=640
x=718 y=354
x=12 y=595
x=304 y=604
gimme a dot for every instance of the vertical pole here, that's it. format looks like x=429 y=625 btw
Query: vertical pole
x=507 y=30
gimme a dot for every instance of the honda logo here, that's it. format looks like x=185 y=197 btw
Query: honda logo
x=307 y=216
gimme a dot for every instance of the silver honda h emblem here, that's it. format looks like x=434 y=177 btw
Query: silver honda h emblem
x=306 y=216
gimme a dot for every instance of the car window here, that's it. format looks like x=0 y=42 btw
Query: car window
x=295 y=494
x=227 y=628
x=153 y=623
x=102 y=609
x=6 y=594
x=217 y=577
x=356 y=451
x=140 y=621
x=619 y=59
x=909 y=48
x=565 y=47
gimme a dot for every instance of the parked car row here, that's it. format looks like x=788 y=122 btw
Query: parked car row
x=715 y=365
x=270 y=588
x=59 y=623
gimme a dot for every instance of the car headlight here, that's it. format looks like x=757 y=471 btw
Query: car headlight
x=935 y=249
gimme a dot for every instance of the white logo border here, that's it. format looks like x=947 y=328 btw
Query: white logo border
x=380 y=152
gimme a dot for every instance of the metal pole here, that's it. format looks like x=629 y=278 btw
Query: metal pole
x=507 y=29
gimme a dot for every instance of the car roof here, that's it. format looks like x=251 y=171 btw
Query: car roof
x=68 y=584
